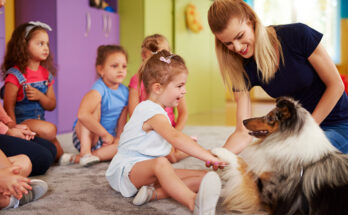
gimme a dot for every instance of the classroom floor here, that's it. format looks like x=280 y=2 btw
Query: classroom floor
x=227 y=116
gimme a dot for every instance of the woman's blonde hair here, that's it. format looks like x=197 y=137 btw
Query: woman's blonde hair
x=161 y=68
x=267 y=45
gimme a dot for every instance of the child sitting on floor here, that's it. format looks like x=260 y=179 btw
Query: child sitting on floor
x=148 y=137
x=103 y=110
x=28 y=71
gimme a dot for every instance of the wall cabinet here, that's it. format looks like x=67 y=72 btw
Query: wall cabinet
x=77 y=32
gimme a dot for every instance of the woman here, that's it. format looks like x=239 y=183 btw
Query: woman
x=285 y=60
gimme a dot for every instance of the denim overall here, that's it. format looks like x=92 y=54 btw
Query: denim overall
x=26 y=109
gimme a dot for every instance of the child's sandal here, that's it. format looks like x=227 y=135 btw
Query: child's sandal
x=67 y=159
x=144 y=195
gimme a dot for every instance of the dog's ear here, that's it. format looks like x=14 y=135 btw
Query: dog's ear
x=287 y=109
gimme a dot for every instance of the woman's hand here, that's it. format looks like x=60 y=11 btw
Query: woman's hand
x=21 y=133
x=29 y=135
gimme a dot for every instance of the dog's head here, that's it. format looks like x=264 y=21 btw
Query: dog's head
x=282 y=118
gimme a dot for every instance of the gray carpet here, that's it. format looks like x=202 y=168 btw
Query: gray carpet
x=76 y=190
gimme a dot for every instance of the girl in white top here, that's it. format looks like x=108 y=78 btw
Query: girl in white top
x=148 y=137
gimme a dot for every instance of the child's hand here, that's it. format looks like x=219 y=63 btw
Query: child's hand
x=216 y=164
x=116 y=140
x=11 y=183
x=32 y=93
x=107 y=139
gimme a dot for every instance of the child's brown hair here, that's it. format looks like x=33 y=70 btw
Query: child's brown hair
x=17 y=50
x=105 y=50
x=161 y=68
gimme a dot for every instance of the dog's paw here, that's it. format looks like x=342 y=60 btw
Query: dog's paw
x=224 y=154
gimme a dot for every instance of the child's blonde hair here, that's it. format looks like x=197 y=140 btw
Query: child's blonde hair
x=17 y=50
x=152 y=42
x=161 y=68
x=267 y=45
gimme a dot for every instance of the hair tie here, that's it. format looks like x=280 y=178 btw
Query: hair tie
x=167 y=59
x=33 y=24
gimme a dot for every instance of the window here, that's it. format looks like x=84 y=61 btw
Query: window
x=322 y=15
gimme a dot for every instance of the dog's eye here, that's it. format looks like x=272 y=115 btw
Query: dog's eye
x=270 y=118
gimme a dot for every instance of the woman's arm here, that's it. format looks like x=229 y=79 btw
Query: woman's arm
x=10 y=99
x=240 y=138
x=133 y=100
x=328 y=73
x=182 y=115
x=89 y=104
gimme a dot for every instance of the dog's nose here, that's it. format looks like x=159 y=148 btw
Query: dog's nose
x=245 y=122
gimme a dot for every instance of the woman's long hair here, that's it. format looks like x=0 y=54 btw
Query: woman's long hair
x=267 y=45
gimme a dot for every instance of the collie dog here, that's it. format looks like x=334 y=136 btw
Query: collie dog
x=291 y=169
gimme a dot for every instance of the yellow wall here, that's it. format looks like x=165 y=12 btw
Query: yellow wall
x=205 y=87
x=131 y=32
x=159 y=18
x=9 y=19
x=344 y=46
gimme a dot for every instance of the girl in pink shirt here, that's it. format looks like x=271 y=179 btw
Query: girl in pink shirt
x=28 y=71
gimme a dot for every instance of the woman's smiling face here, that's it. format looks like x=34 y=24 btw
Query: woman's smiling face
x=238 y=37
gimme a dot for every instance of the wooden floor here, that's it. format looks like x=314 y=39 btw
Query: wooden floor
x=227 y=115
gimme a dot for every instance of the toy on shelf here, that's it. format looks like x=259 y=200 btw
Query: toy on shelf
x=101 y=4
x=193 y=19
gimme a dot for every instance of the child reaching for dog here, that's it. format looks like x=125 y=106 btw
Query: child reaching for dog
x=148 y=137
x=103 y=110
x=28 y=71
x=151 y=45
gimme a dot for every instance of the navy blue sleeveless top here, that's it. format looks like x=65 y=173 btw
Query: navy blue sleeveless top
x=297 y=78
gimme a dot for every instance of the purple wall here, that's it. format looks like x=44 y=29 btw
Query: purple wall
x=74 y=46
x=30 y=12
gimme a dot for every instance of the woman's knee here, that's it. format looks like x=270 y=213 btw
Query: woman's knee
x=42 y=163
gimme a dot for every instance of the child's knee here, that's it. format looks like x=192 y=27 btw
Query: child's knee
x=25 y=163
x=161 y=162
x=48 y=131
